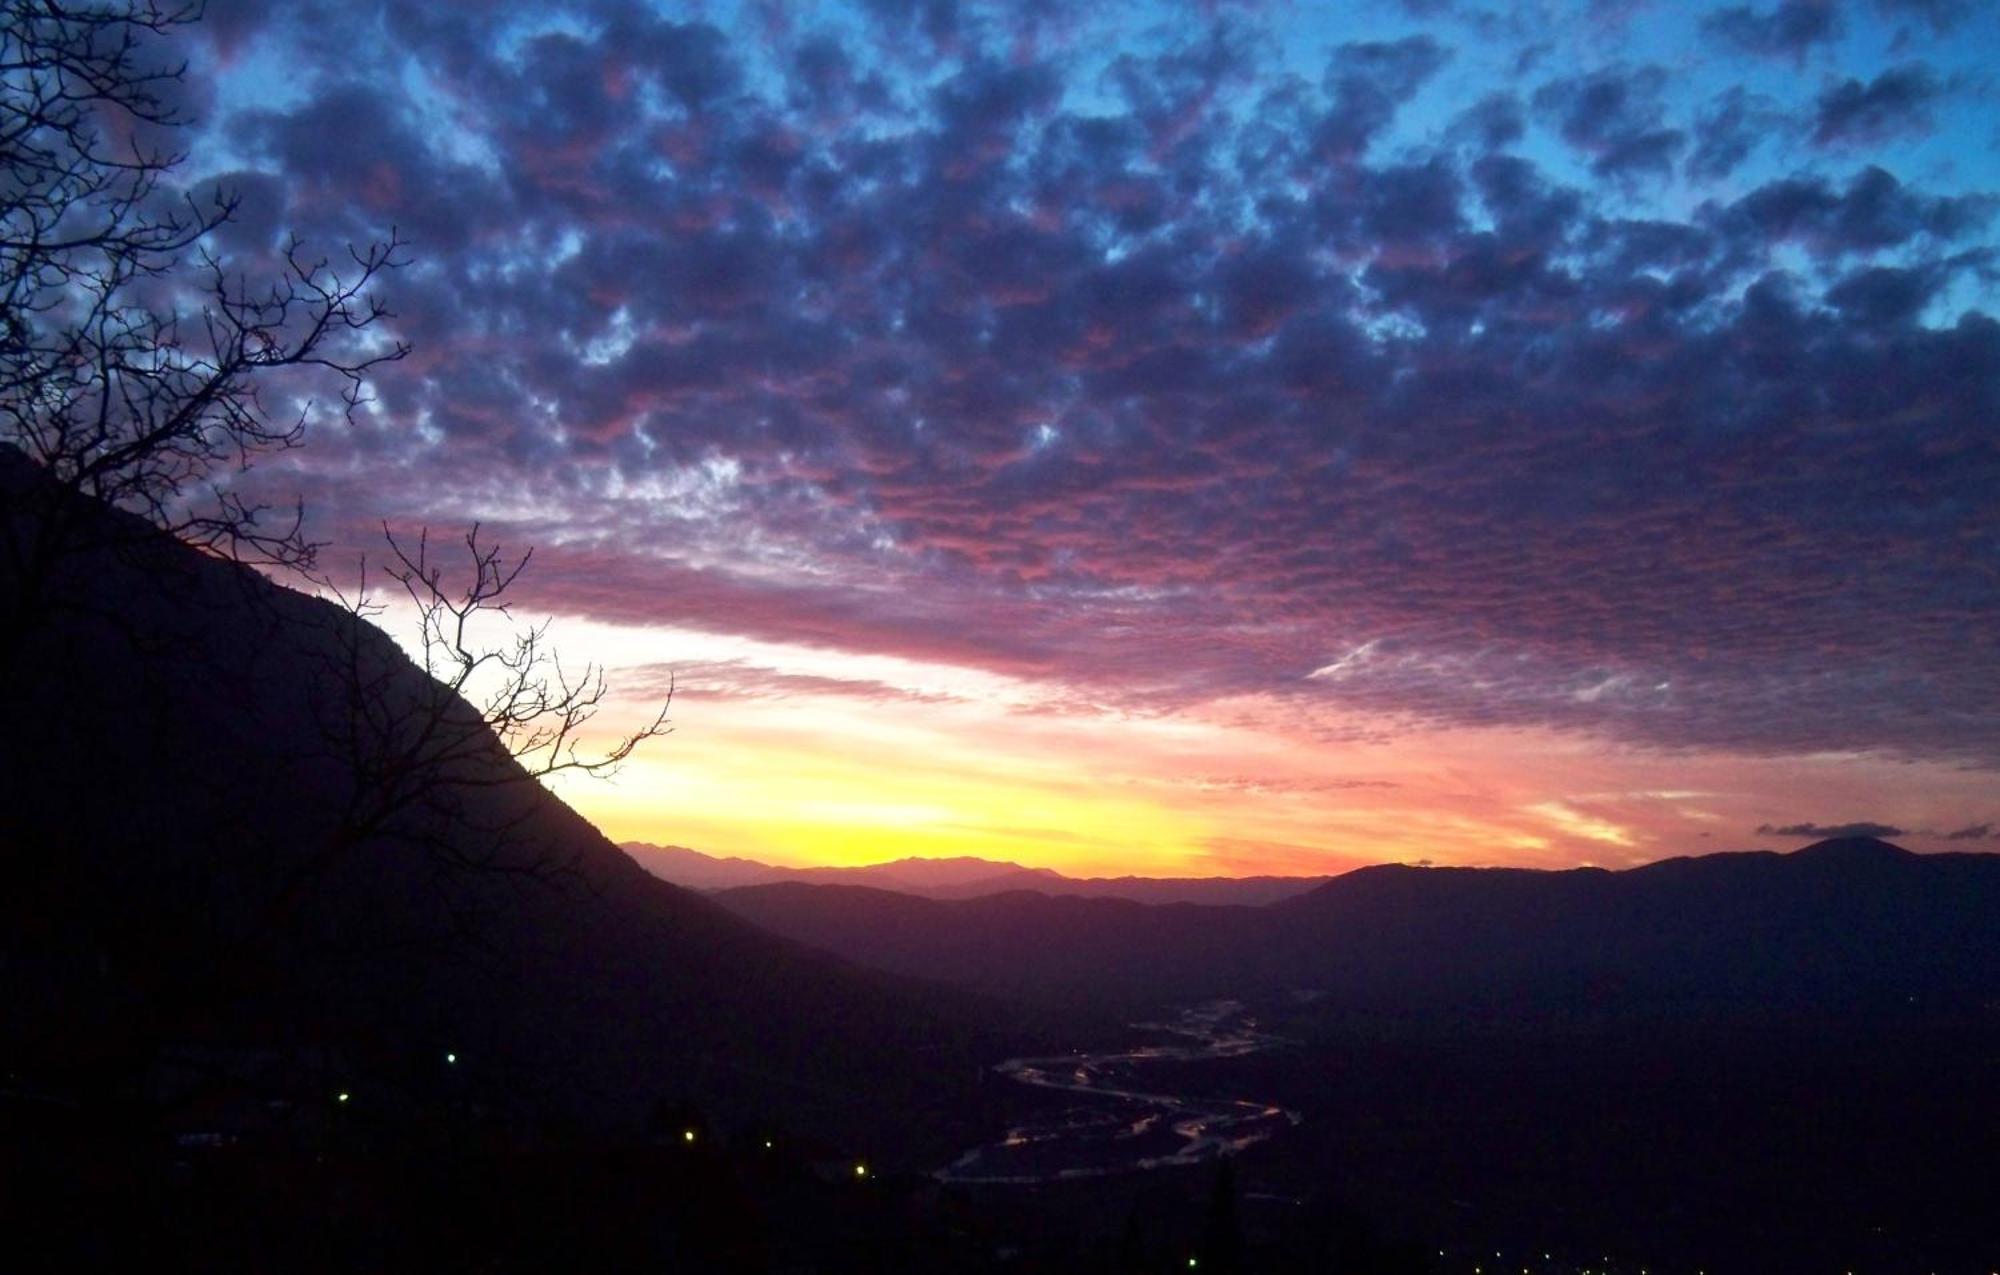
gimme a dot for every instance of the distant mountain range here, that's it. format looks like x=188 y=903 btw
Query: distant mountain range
x=964 y=878
x=1844 y=921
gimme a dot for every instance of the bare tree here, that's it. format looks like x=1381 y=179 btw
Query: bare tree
x=532 y=705
x=133 y=362
x=495 y=710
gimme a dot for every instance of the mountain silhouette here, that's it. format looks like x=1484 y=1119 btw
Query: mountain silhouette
x=1853 y=852
x=1843 y=922
x=174 y=781
x=1058 y=950
x=964 y=878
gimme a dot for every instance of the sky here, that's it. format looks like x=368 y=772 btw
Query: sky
x=1186 y=439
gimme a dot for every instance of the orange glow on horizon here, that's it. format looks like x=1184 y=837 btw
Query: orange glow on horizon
x=978 y=765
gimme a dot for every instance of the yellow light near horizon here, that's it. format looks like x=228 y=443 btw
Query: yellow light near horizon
x=820 y=807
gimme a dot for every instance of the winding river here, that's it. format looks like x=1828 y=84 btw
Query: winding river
x=1121 y=1125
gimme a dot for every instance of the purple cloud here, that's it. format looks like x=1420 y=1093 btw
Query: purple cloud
x=1616 y=117
x=1941 y=15
x=1818 y=831
x=1727 y=131
x=1367 y=83
x=1894 y=103
x=1790 y=29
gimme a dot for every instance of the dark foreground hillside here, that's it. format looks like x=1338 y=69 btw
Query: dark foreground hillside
x=230 y=930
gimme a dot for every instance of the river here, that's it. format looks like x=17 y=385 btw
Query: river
x=1121 y=1124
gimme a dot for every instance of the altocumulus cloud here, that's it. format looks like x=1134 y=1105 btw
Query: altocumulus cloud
x=1175 y=360
x=1817 y=831
x=1972 y=832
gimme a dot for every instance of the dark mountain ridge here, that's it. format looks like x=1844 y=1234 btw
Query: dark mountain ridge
x=963 y=878
x=1837 y=922
x=1059 y=950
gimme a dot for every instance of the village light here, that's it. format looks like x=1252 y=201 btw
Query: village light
x=451 y=1058
x=687 y=1135
x=860 y=1170
x=341 y=1096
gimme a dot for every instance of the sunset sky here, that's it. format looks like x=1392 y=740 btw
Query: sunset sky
x=1188 y=439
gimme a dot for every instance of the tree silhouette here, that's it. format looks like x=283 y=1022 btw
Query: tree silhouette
x=134 y=361
x=495 y=709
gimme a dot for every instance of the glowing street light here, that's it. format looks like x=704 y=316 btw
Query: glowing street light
x=687 y=1135
x=860 y=1170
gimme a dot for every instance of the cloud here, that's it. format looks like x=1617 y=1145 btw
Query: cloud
x=1972 y=832
x=1727 y=131
x=1885 y=295
x=1942 y=15
x=1495 y=121
x=1576 y=823
x=941 y=22
x=1816 y=831
x=1268 y=785
x=1875 y=212
x=1790 y=29
x=1896 y=102
x=1368 y=82
x=742 y=680
x=1617 y=117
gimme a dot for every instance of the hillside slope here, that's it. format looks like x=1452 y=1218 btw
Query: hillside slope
x=180 y=787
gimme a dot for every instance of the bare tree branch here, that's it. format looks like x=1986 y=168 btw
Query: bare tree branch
x=492 y=712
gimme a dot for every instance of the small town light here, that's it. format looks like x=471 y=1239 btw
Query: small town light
x=860 y=1170
x=341 y=1097
x=687 y=1135
x=767 y=1144
x=1194 y=1261
x=451 y=1058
